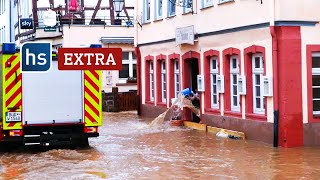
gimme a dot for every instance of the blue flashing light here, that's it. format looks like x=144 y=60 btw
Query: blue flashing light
x=8 y=48
x=95 y=46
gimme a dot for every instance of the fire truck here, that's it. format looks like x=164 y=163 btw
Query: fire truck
x=47 y=109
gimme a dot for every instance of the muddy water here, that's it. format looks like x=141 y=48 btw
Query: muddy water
x=129 y=149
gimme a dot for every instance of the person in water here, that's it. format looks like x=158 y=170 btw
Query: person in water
x=195 y=100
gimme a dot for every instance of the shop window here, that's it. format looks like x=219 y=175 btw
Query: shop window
x=254 y=66
x=316 y=84
x=257 y=79
x=128 y=70
x=213 y=83
x=163 y=81
x=149 y=79
x=151 y=82
x=234 y=73
x=161 y=75
x=176 y=78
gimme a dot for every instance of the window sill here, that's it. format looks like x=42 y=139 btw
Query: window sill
x=187 y=13
x=233 y=114
x=252 y=116
x=220 y=3
x=157 y=20
x=148 y=22
x=126 y=84
x=171 y=16
x=315 y=119
x=206 y=7
x=212 y=111
x=150 y=102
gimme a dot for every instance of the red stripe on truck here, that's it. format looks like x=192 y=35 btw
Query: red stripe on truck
x=90 y=117
x=87 y=90
x=94 y=85
x=13 y=83
x=91 y=107
x=13 y=96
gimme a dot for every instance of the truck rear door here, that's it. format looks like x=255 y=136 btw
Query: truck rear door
x=52 y=97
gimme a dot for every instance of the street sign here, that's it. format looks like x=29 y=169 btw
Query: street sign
x=185 y=35
x=49 y=18
x=50 y=29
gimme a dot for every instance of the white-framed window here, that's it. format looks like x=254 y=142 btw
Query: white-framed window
x=158 y=9
x=151 y=76
x=129 y=67
x=316 y=83
x=176 y=78
x=213 y=82
x=171 y=7
x=257 y=83
x=2 y=6
x=206 y=3
x=146 y=10
x=234 y=73
x=163 y=81
x=187 y=6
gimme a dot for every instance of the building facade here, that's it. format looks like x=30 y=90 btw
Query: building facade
x=256 y=61
x=85 y=22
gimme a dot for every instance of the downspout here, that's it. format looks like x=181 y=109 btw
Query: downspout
x=275 y=76
x=138 y=56
x=10 y=21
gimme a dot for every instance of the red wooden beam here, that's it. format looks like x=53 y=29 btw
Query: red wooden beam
x=111 y=11
x=95 y=11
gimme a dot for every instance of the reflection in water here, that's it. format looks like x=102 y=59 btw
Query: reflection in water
x=128 y=148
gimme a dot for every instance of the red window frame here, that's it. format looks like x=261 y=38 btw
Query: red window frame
x=172 y=58
x=147 y=60
x=207 y=55
x=311 y=49
x=158 y=86
x=248 y=53
x=226 y=71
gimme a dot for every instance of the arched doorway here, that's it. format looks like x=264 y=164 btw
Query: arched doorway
x=190 y=70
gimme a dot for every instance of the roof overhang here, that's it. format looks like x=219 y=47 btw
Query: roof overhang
x=117 y=40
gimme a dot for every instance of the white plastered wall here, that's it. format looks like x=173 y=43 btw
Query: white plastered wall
x=239 y=40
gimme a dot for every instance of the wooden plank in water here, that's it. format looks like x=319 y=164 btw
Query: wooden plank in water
x=215 y=130
x=197 y=126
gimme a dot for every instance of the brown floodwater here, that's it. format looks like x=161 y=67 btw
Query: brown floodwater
x=130 y=149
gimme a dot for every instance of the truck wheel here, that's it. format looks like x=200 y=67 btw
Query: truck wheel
x=80 y=142
x=84 y=142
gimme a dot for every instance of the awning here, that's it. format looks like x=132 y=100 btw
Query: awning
x=117 y=40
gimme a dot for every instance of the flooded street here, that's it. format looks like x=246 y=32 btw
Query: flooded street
x=129 y=149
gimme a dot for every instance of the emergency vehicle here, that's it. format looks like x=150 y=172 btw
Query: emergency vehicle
x=52 y=108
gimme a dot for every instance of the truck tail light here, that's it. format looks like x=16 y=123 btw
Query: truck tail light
x=90 y=129
x=15 y=133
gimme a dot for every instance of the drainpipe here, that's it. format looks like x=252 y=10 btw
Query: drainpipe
x=275 y=75
x=10 y=20
x=138 y=56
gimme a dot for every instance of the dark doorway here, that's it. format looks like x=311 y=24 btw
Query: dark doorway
x=194 y=71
